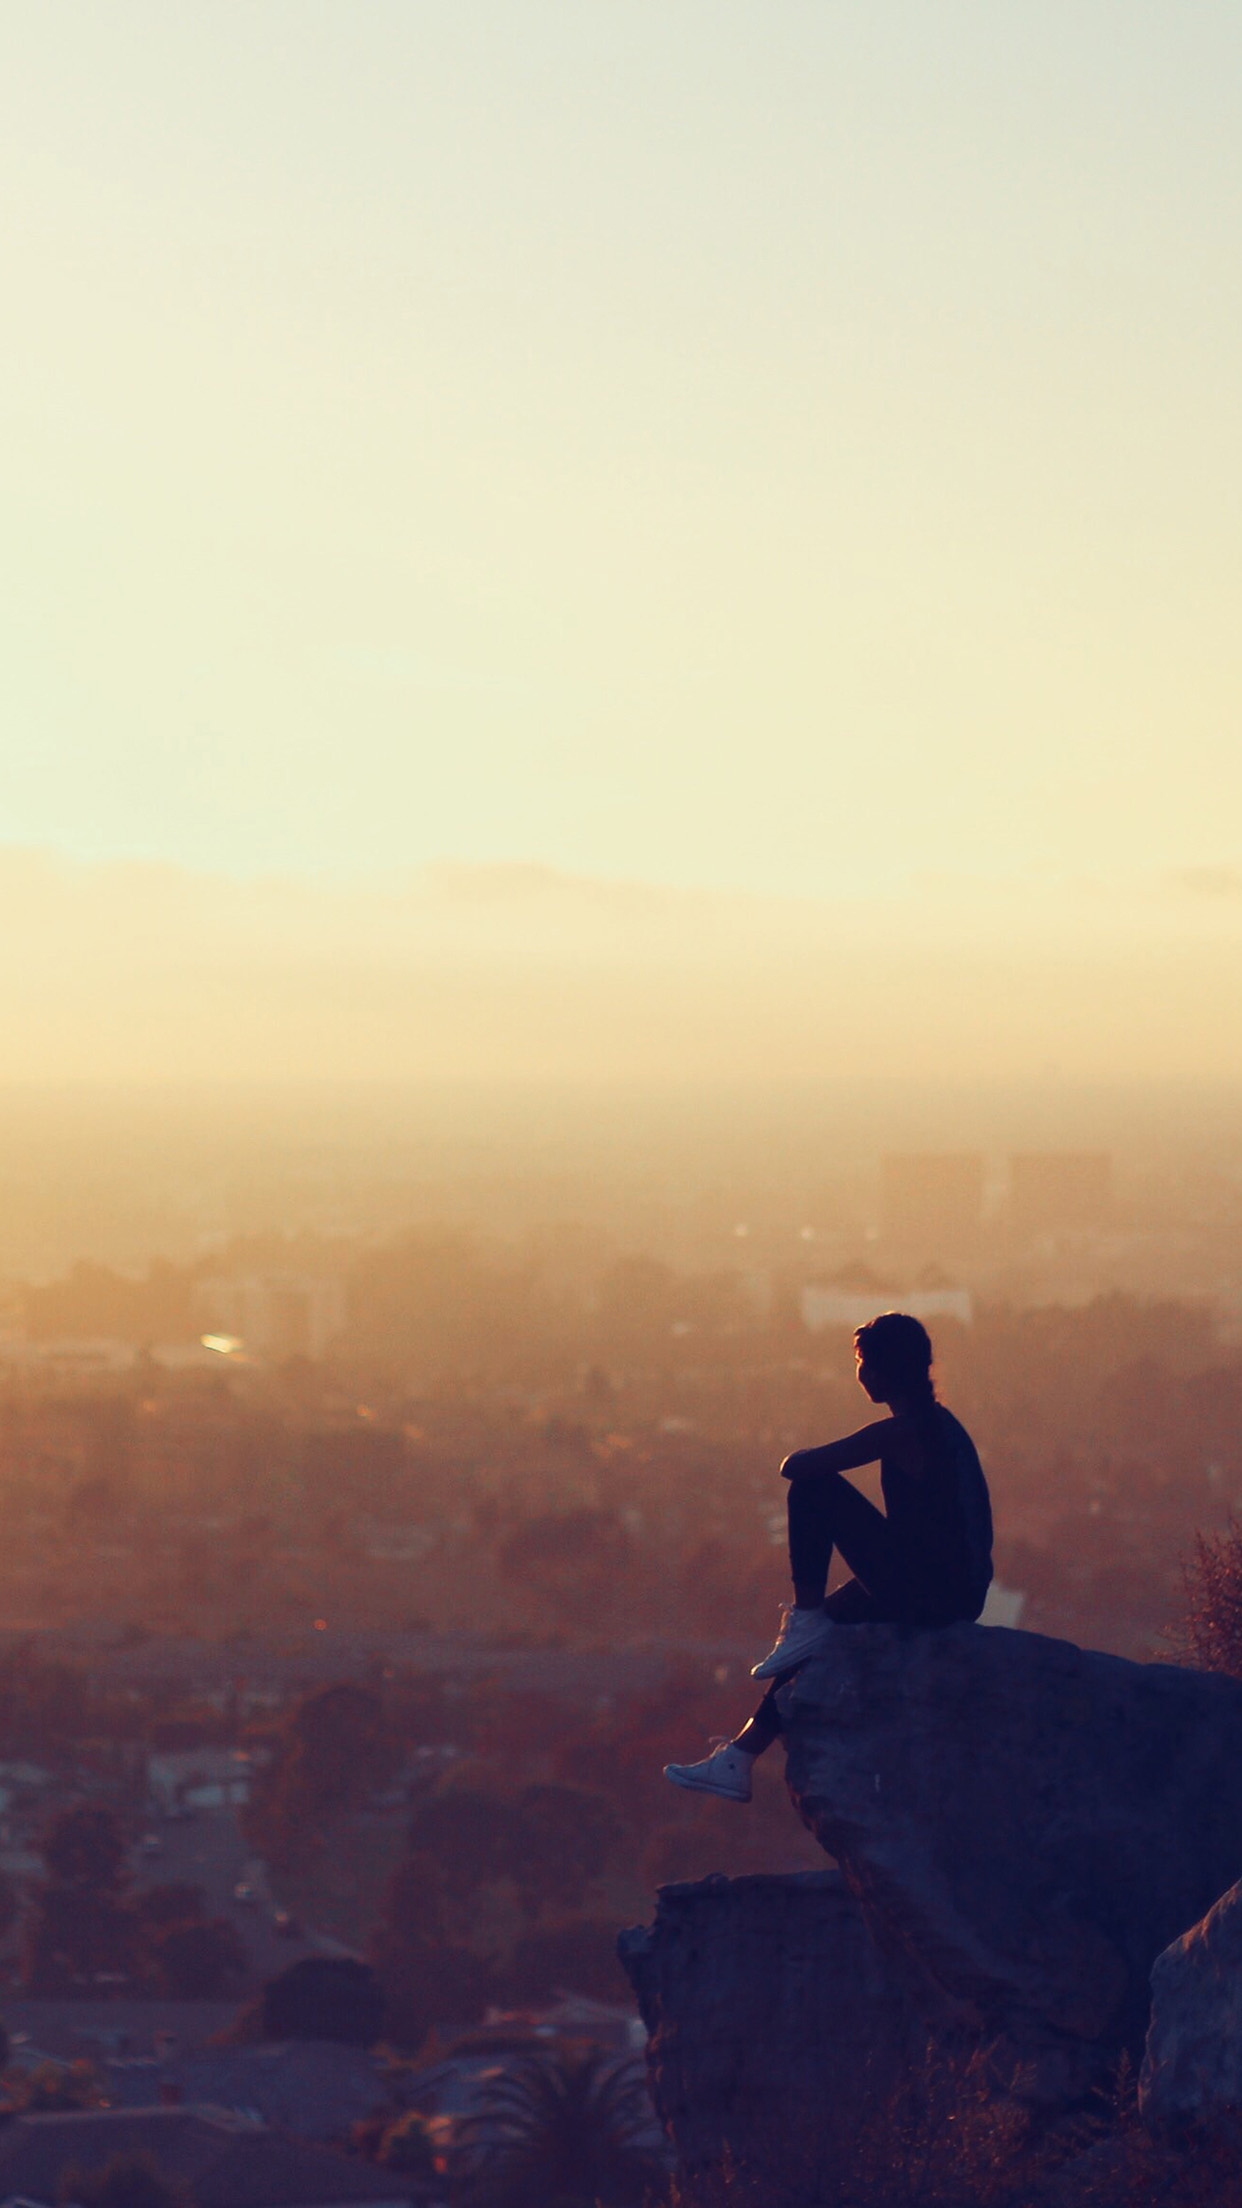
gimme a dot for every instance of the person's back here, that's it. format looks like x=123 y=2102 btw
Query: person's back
x=941 y=1516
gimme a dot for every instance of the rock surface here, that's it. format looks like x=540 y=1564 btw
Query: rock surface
x=1192 y=2070
x=1021 y=1826
x=1027 y=1823
x=774 y=2022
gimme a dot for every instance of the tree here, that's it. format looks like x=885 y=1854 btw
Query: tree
x=471 y=1835
x=84 y=1929
x=557 y=2128
x=1209 y=1632
x=408 y=2146
x=324 y=1997
x=52 y=2089
x=566 y=1836
x=77 y=1937
x=428 y=1978
x=127 y=2181
x=201 y=1961
x=427 y=1983
x=174 y=1901
x=566 y=1958
x=86 y=1848
x=42 y=1705
x=334 y=1752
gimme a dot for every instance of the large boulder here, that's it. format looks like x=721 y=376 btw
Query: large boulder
x=774 y=2023
x=1192 y=2069
x=1027 y=1823
x=1021 y=1828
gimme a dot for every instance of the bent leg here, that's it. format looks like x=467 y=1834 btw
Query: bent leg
x=826 y=1512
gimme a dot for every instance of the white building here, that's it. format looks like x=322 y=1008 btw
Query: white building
x=278 y=1315
x=199 y=1778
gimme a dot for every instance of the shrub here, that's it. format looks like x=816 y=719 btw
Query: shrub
x=127 y=2181
x=426 y=1983
x=567 y=1958
x=55 y=2088
x=324 y=1997
x=564 y=2129
x=408 y=2146
x=1209 y=1632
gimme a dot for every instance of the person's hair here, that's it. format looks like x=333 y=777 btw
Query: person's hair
x=897 y=1349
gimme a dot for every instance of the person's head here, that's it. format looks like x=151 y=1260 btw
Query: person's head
x=894 y=1354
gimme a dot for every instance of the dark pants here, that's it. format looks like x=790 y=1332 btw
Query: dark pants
x=825 y=1513
x=889 y=1587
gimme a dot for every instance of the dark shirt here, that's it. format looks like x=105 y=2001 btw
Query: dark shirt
x=934 y=1554
x=941 y=1517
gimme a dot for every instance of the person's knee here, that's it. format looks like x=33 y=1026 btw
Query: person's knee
x=811 y=1487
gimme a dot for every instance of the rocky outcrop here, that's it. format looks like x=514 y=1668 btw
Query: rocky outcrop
x=1021 y=1826
x=1027 y=1823
x=1192 y=2069
x=774 y=2022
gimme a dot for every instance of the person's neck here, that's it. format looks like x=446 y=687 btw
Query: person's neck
x=911 y=1400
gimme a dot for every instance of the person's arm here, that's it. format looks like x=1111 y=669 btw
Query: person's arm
x=846 y=1455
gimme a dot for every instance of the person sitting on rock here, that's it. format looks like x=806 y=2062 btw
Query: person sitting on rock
x=925 y=1560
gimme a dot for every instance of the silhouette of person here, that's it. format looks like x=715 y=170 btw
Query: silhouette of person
x=924 y=1560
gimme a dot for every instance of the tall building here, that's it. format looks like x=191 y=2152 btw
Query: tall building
x=279 y=1315
x=932 y=1200
x=1051 y=1191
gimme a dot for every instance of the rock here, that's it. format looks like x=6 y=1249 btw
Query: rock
x=1021 y=1827
x=1192 y=2068
x=1026 y=1823
x=774 y=2023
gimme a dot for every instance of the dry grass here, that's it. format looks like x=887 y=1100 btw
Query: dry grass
x=948 y=2139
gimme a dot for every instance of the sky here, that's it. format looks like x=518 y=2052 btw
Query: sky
x=128 y=971
x=789 y=449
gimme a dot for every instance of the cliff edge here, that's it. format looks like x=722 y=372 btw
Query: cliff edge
x=1021 y=1828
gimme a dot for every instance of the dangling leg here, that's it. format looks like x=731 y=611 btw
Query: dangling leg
x=825 y=1512
x=760 y=1730
x=727 y=1771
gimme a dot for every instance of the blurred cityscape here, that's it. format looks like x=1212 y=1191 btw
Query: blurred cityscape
x=380 y=1511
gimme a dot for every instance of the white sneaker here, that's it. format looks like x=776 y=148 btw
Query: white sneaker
x=803 y=1633
x=725 y=1772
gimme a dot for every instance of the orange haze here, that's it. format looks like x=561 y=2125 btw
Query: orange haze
x=128 y=971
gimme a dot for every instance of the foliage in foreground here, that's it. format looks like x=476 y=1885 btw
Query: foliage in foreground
x=565 y=2129
x=1209 y=1632
x=948 y=2138
x=127 y=2181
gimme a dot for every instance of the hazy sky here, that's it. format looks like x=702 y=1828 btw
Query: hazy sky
x=786 y=445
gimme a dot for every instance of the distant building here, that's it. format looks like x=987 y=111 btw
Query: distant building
x=852 y=1307
x=1052 y=1191
x=72 y=1358
x=279 y=1315
x=219 y=2156
x=305 y=2089
x=199 y=1778
x=932 y=1200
